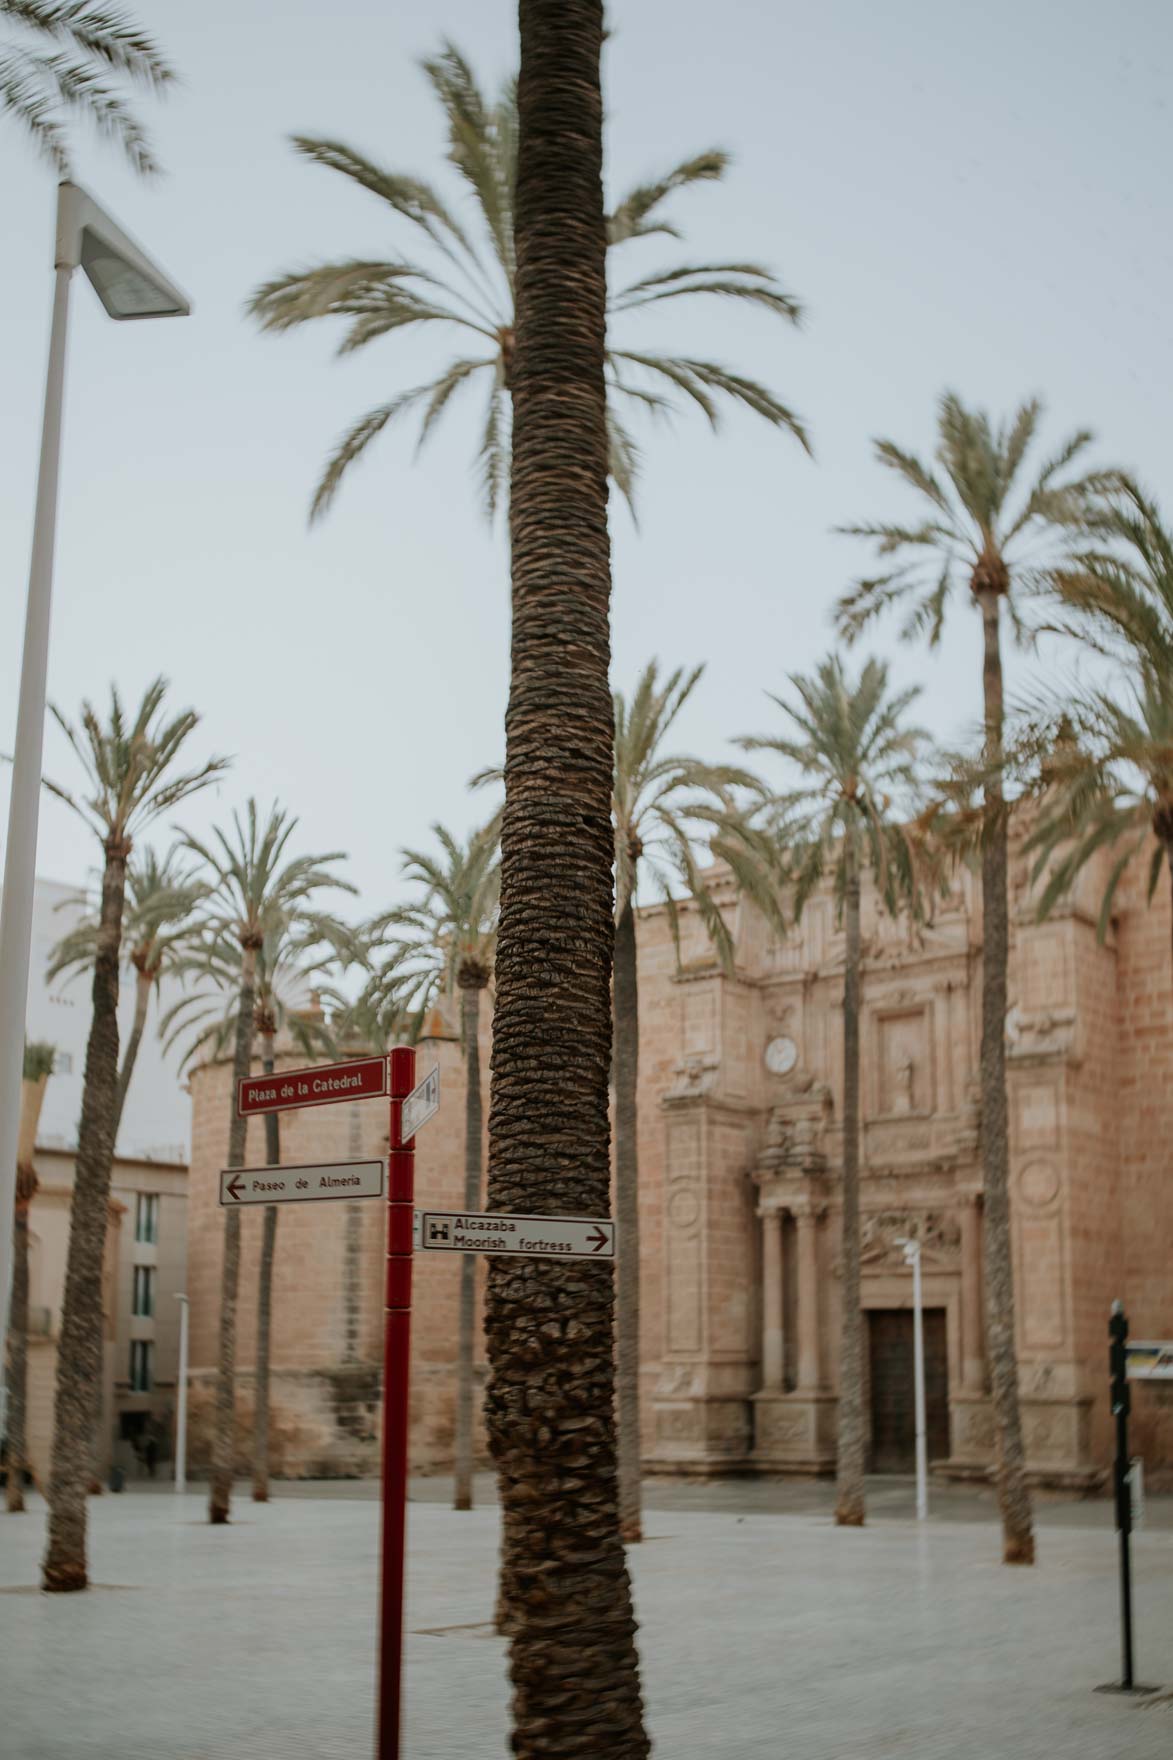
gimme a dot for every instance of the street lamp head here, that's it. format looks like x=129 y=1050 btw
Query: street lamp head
x=911 y=1248
x=124 y=278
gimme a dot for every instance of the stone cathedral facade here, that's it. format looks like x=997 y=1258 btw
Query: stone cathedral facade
x=740 y=1158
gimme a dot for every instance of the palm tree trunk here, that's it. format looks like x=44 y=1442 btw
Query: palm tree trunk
x=79 y=1351
x=470 y=1004
x=1018 y=1545
x=142 y=997
x=265 y=1301
x=550 y=1401
x=16 y=1364
x=32 y=1096
x=224 y=1444
x=626 y=989
x=850 y=1509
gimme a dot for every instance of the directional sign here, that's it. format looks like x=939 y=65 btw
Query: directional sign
x=538 y=1237
x=1149 y=1361
x=421 y=1104
x=301 y=1185
x=359 y=1078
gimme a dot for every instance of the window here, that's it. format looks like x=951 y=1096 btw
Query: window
x=63 y=1063
x=146 y=1217
x=143 y=1300
x=141 y=1351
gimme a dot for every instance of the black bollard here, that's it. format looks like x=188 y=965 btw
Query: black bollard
x=1121 y=1406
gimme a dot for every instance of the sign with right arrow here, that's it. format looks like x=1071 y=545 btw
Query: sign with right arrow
x=534 y=1237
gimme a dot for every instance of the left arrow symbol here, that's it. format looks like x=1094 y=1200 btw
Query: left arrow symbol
x=234 y=1187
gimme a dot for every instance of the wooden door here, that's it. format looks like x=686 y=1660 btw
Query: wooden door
x=893 y=1404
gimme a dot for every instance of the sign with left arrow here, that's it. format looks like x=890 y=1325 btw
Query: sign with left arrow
x=314 y=1184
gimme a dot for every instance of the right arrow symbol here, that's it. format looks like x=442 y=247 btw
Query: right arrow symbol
x=234 y=1187
x=598 y=1240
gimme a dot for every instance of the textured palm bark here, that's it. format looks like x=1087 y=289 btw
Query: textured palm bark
x=261 y=1379
x=1018 y=1545
x=79 y=1350
x=550 y=1399
x=850 y=1506
x=32 y=1096
x=142 y=998
x=626 y=990
x=470 y=1003
x=224 y=1442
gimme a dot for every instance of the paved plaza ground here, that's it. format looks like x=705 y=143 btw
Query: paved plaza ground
x=765 y=1631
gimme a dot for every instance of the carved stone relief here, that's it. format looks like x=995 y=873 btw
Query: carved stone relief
x=1038 y=1184
x=938 y=1232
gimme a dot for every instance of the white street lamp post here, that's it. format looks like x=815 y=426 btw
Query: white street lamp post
x=129 y=285
x=912 y=1257
x=181 y=1401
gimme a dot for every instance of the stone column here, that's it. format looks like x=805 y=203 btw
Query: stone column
x=972 y=1352
x=772 y=1358
x=807 y=1223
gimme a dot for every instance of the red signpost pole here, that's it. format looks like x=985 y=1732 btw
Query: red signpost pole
x=396 y=1371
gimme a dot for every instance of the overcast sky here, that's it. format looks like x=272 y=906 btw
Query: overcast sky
x=960 y=197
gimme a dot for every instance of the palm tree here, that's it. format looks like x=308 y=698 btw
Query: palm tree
x=440 y=942
x=467 y=282
x=549 y=1322
x=856 y=757
x=661 y=806
x=253 y=891
x=130 y=768
x=38 y=1067
x=158 y=925
x=66 y=58
x=981 y=528
x=286 y=970
x=1108 y=765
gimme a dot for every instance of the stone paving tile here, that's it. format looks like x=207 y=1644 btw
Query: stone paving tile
x=762 y=1635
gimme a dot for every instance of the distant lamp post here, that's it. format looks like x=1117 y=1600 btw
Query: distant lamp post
x=181 y=1401
x=129 y=285
x=912 y=1257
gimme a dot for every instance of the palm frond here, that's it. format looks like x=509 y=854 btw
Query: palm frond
x=634 y=216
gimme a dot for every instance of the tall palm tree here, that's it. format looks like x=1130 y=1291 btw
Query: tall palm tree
x=661 y=806
x=467 y=282
x=286 y=971
x=38 y=1067
x=67 y=58
x=253 y=889
x=857 y=760
x=132 y=778
x=549 y=1323
x=985 y=526
x=1108 y=764
x=441 y=941
x=158 y=926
